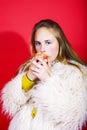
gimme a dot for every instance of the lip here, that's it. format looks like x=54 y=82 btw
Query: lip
x=42 y=55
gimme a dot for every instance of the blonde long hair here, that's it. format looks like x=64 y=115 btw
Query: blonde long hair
x=66 y=52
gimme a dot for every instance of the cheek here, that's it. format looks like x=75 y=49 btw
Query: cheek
x=53 y=53
x=54 y=50
x=37 y=48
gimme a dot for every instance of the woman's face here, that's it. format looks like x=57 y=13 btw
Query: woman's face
x=46 y=42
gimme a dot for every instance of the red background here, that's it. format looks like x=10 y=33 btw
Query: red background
x=16 y=21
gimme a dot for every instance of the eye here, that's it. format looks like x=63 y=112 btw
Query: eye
x=37 y=43
x=48 y=42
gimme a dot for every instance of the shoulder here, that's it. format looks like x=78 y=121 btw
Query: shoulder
x=66 y=69
x=70 y=75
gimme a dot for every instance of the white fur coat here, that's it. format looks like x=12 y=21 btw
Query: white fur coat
x=61 y=101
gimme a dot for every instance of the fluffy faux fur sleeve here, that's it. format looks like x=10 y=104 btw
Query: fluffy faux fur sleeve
x=63 y=98
x=13 y=96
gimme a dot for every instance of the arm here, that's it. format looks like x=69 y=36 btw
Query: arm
x=13 y=97
x=64 y=99
x=70 y=101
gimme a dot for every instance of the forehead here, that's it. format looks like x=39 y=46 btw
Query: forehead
x=45 y=33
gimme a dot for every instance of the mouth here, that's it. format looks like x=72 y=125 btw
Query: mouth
x=42 y=55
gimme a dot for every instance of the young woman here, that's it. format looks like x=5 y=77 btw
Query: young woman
x=50 y=90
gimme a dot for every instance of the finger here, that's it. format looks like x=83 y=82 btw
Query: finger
x=36 y=64
x=45 y=66
x=41 y=61
x=32 y=59
x=35 y=73
x=34 y=69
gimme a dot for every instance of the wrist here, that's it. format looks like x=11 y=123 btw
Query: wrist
x=27 y=84
x=30 y=76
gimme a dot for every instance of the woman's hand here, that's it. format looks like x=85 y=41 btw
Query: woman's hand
x=39 y=68
x=30 y=75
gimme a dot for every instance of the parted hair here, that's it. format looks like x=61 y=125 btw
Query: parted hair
x=66 y=52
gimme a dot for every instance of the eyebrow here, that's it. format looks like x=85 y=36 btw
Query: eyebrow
x=47 y=40
x=36 y=41
x=39 y=41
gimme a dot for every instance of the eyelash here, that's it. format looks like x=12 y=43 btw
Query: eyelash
x=37 y=43
x=48 y=42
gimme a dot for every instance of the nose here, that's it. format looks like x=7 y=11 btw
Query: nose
x=43 y=48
